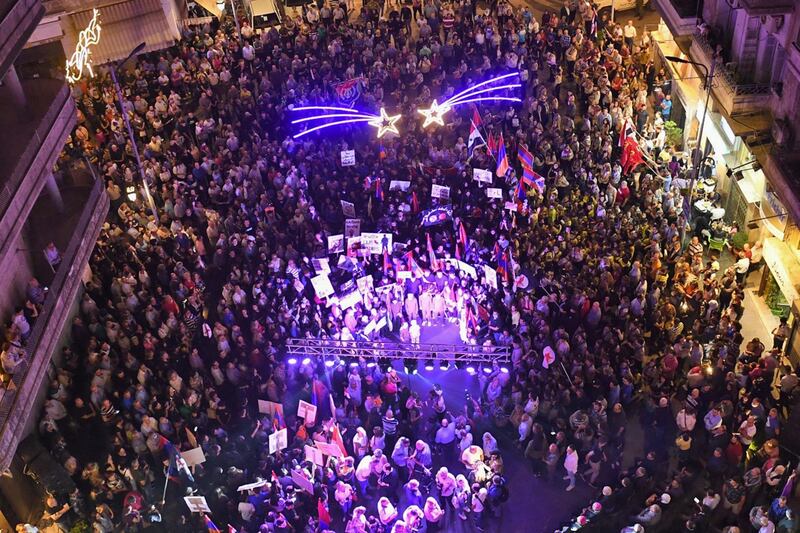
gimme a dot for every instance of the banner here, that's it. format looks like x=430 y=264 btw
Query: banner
x=348 y=92
x=437 y=215
x=375 y=243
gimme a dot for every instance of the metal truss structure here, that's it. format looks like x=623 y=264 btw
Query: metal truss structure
x=458 y=353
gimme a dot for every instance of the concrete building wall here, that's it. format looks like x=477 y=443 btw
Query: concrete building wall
x=14 y=280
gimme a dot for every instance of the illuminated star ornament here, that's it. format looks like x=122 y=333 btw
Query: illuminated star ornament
x=328 y=117
x=81 y=59
x=435 y=113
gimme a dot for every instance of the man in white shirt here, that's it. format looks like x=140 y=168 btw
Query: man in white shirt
x=571 y=466
x=629 y=31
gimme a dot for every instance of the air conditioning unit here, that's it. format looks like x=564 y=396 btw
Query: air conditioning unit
x=781 y=132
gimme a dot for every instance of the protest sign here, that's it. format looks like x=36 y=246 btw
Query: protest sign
x=365 y=284
x=349 y=300
x=278 y=440
x=336 y=243
x=353 y=245
x=403 y=274
x=194 y=457
x=493 y=192
x=511 y=206
x=491 y=276
x=375 y=243
x=197 y=504
x=484 y=176
x=441 y=192
x=348 y=209
x=399 y=185
x=251 y=486
x=348 y=158
x=352 y=227
x=322 y=285
x=307 y=411
x=266 y=407
x=321 y=265
x=328 y=449
x=314 y=455
x=302 y=481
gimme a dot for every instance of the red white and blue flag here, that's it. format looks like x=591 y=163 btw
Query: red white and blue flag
x=525 y=157
x=211 y=526
x=531 y=178
x=475 y=137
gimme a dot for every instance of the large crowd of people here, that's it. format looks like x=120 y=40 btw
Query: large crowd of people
x=179 y=342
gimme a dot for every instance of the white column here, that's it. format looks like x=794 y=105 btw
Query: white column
x=54 y=193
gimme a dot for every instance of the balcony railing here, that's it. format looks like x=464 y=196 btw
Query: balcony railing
x=732 y=94
x=18 y=19
x=20 y=399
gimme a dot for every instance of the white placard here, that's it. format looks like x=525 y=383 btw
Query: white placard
x=322 y=285
x=440 y=191
x=348 y=158
x=352 y=227
x=321 y=265
x=511 y=206
x=484 y=176
x=399 y=185
x=374 y=243
x=335 y=244
x=494 y=192
x=467 y=269
x=365 y=284
x=491 y=276
x=328 y=449
x=302 y=481
x=278 y=440
x=403 y=274
x=314 y=455
x=307 y=411
x=197 y=504
x=266 y=407
x=348 y=209
x=251 y=486
x=351 y=299
x=194 y=457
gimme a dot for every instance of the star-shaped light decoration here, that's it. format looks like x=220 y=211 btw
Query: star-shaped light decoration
x=385 y=123
x=435 y=113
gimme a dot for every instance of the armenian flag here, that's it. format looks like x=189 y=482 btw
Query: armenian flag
x=211 y=526
x=525 y=157
x=502 y=158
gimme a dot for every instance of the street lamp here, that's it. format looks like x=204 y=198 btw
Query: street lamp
x=699 y=152
x=129 y=129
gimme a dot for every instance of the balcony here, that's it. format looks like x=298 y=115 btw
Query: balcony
x=679 y=15
x=782 y=170
x=29 y=150
x=74 y=231
x=735 y=97
x=18 y=19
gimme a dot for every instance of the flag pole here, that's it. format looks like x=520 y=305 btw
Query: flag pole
x=566 y=373
x=166 y=482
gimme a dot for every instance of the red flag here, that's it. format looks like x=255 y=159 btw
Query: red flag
x=414 y=202
x=491 y=146
x=462 y=241
x=387 y=264
x=631 y=155
x=324 y=515
x=432 y=254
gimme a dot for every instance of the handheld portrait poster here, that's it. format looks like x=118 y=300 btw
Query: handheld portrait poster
x=484 y=176
x=494 y=192
x=278 y=440
x=365 y=284
x=399 y=185
x=307 y=411
x=352 y=227
x=197 y=504
x=348 y=209
x=322 y=286
x=314 y=455
x=336 y=243
x=491 y=276
x=321 y=265
x=441 y=192
x=348 y=158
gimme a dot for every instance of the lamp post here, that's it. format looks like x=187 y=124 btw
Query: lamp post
x=113 y=68
x=699 y=152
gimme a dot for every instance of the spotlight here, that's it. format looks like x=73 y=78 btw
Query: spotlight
x=371 y=364
x=329 y=363
x=307 y=361
x=487 y=370
x=471 y=370
x=429 y=365
x=292 y=360
x=353 y=364
x=444 y=365
x=504 y=370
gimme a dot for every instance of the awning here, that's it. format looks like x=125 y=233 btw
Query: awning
x=784 y=267
x=125 y=24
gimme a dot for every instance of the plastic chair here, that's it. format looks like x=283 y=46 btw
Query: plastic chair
x=716 y=244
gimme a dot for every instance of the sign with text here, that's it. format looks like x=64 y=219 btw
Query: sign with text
x=484 y=176
x=322 y=286
x=399 y=185
x=197 y=504
x=494 y=192
x=307 y=411
x=348 y=209
x=314 y=455
x=348 y=158
x=440 y=191
x=279 y=440
x=335 y=244
x=352 y=227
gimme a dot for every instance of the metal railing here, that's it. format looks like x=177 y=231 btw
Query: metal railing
x=42 y=326
x=728 y=77
x=332 y=349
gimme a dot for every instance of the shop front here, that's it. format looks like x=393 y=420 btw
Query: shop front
x=780 y=287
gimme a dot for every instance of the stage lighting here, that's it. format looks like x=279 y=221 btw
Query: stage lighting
x=329 y=363
x=444 y=365
x=371 y=364
x=471 y=370
x=504 y=370
x=307 y=361
x=354 y=364
x=292 y=361
x=429 y=365
x=487 y=370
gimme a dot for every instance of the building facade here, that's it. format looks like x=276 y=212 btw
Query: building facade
x=49 y=222
x=752 y=128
